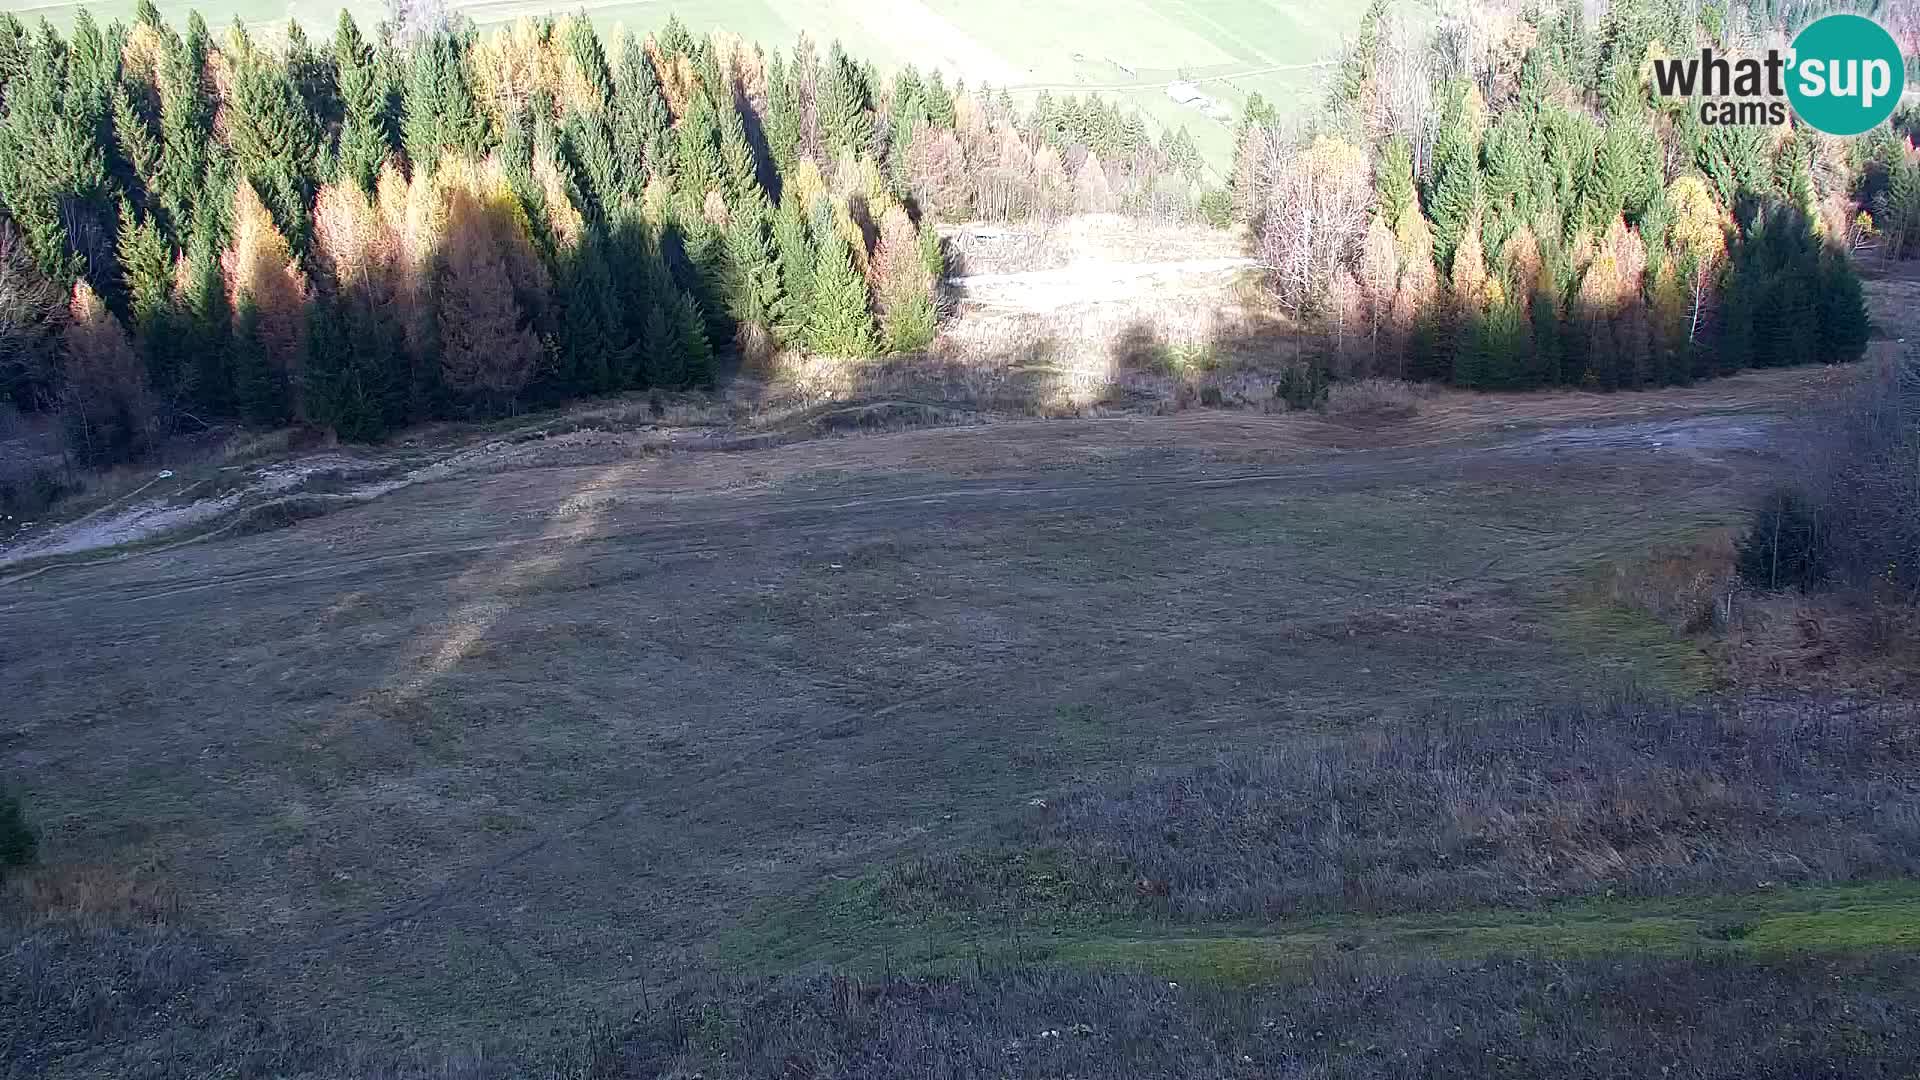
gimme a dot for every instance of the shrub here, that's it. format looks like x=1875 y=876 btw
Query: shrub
x=1855 y=520
x=1786 y=546
x=1302 y=387
x=17 y=844
x=1216 y=207
x=1374 y=399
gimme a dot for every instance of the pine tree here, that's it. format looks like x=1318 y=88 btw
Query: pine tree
x=1395 y=183
x=146 y=267
x=698 y=149
x=846 y=121
x=1452 y=197
x=839 y=319
x=439 y=112
x=795 y=258
x=53 y=174
x=752 y=283
x=275 y=141
x=739 y=169
x=364 y=139
x=186 y=138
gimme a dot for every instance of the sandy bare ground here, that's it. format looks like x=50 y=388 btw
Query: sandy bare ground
x=492 y=752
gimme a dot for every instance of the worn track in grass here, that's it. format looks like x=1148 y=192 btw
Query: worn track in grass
x=495 y=751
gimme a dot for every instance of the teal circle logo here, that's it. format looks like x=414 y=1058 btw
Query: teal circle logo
x=1846 y=75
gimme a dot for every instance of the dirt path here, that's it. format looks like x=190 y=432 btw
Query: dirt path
x=494 y=750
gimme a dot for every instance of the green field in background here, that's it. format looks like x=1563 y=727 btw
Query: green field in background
x=1134 y=47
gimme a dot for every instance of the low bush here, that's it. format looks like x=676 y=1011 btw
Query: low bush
x=1485 y=807
x=1374 y=399
x=1346 y=1019
x=17 y=843
x=1301 y=387
x=1787 y=546
x=1854 y=520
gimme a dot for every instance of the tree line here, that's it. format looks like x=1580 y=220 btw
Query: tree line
x=435 y=222
x=1501 y=200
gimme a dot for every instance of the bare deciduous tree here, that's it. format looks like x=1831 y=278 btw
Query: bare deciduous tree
x=1317 y=197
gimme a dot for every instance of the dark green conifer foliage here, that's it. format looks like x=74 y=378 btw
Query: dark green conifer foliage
x=846 y=117
x=596 y=350
x=840 y=315
x=138 y=145
x=275 y=142
x=686 y=329
x=1395 y=181
x=739 y=169
x=698 y=152
x=939 y=100
x=439 y=112
x=259 y=391
x=205 y=325
x=53 y=174
x=795 y=257
x=641 y=128
x=1452 y=196
x=146 y=269
x=186 y=135
x=365 y=136
x=752 y=281
x=782 y=127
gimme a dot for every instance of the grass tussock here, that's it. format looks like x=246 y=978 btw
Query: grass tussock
x=1671 y=1018
x=1491 y=807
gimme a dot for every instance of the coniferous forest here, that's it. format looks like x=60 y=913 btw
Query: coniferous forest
x=428 y=221
x=1503 y=201
x=437 y=222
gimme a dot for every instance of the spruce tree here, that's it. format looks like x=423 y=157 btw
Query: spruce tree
x=439 y=112
x=795 y=257
x=1395 y=173
x=752 y=281
x=739 y=170
x=364 y=137
x=845 y=119
x=53 y=172
x=275 y=141
x=206 y=324
x=186 y=135
x=641 y=126
x=782 y=122
x=839 y=317
x=698 y=151
x=686 y=330
x=146 y=268
x=1453 y=192
x=595 y=349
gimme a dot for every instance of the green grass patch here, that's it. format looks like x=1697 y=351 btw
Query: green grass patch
x=1634 y=646
x=1882 y=917
x=841 y=930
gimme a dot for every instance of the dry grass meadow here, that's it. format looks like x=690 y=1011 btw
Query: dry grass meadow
x=605 y=755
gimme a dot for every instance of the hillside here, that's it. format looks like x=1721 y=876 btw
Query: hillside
x=1231 y=48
